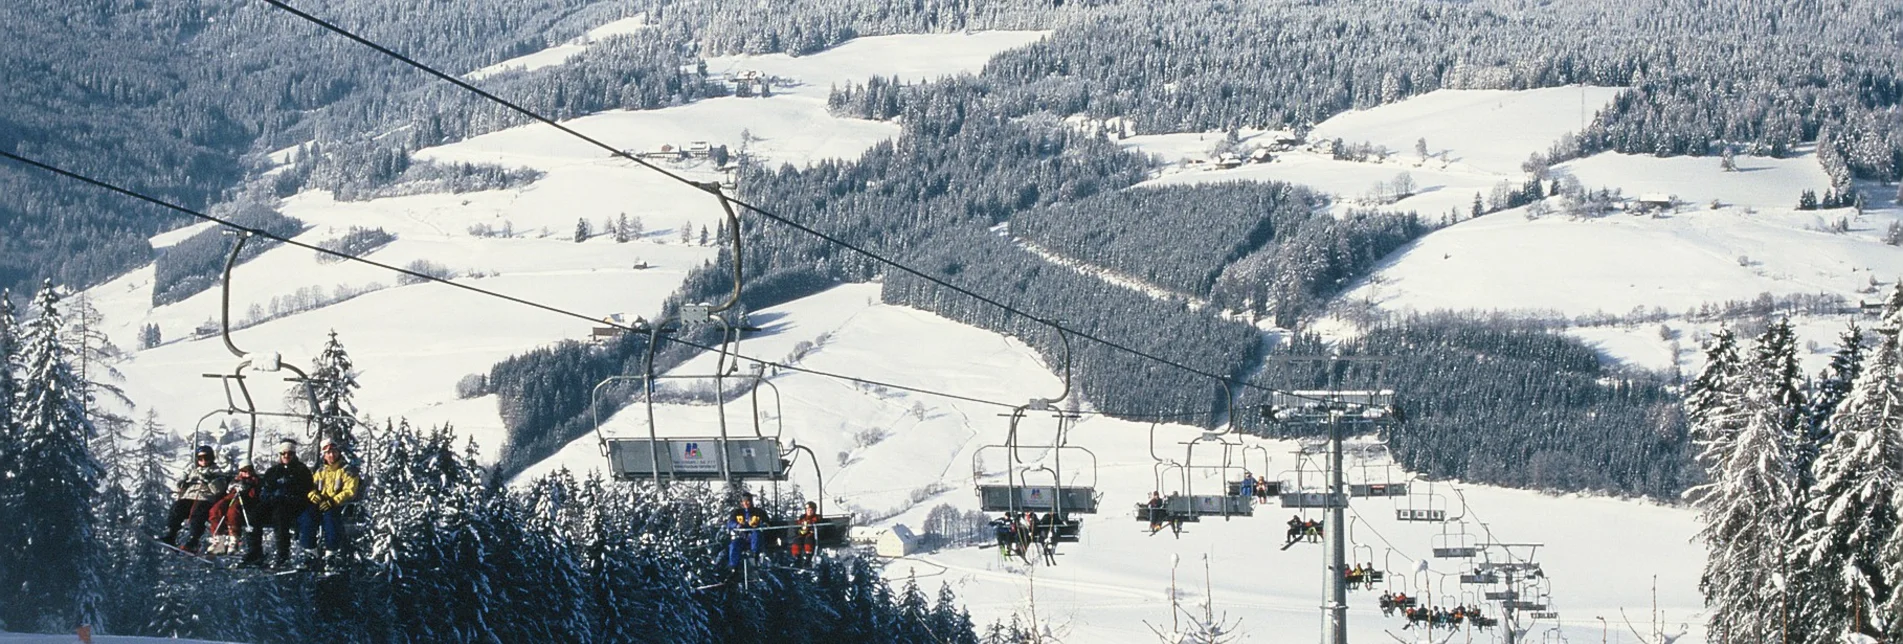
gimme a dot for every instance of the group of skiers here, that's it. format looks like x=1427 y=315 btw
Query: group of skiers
x=1017 y=532
x=289 y=496
x=1362 y=576
x=1300 y=529
x=751 y=530
x=1256 y=486
x=1450 y=618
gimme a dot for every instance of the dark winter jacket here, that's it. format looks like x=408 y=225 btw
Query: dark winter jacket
x=202 y=483
x=288 y=483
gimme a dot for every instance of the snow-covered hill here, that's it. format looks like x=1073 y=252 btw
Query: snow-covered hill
x=893 y=455
x=1754 y=242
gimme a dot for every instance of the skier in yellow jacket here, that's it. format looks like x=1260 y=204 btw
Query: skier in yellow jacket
x=333 y=486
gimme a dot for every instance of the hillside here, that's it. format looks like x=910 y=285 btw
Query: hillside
x=1543 y=241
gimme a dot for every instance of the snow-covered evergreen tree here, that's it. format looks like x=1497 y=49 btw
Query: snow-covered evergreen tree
x=1852 y=512
x=10 y=449
x=1712 y=397
x=1751 y=495
x=334 y=382
x=54 y=476
x=1833 y=385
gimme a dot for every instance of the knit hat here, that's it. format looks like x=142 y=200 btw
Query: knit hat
x=287 y=445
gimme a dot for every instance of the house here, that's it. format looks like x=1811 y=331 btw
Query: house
x=1227 y=160
x=1655 y=201
x=1261 y=155
x=896 y=541
x=613 y=326
x=207 y=329
x=697 y=149
x=751 y=83
x=665 y=152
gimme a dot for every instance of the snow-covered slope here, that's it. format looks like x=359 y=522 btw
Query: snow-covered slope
x=1108 y=586
x=412 y=343
x=1753 y=243
x=563 y=52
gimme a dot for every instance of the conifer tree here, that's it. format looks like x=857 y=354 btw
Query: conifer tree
x=10 y=450
x=1834 y=384
x=54 y=475
x=1751 y=491
x=334 y=383
x=1852 y=511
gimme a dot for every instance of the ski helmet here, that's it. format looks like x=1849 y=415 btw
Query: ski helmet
x=203 y=450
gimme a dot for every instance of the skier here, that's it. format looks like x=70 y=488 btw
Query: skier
x=197 y=490
x=237 y=514
x=286 y=494
x=744 y=523
x=1154 y=509
x=1295 y=527
x=806 y=537
x=332 y=486
x=1247 y=489
x=1003 y=528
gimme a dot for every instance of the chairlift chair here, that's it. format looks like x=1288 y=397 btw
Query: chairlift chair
x=1458 y=545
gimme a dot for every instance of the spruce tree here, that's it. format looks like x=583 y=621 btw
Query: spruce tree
x=1834 y=384
x=1852 y=512
x=58 y=557
x=334 y=383
x=1750 y=494
x=11 y=504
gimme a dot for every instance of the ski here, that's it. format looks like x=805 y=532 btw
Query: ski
x=193 y=555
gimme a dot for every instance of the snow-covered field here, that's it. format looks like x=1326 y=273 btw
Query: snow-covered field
x=562 y=53
x=1754 y=243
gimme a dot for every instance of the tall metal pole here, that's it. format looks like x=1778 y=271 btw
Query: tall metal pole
x=1337 y=536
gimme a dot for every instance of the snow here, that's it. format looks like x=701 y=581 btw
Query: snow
x=564 y=52
x=1618 y=263
x=1761 y=182
x=172 y=237
x=909 y=58
x=1487 y=130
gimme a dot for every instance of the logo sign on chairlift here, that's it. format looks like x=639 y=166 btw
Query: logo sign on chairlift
x=689 y=457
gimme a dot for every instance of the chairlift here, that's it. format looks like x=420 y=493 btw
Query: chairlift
x=1371 y=488
x=1305 y=496
x=1422 y=506
x=1273 y=488
x=1072 y=488
x=1174 y=509
x=238 y=397
x=1455 y=545
x=720 y=457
